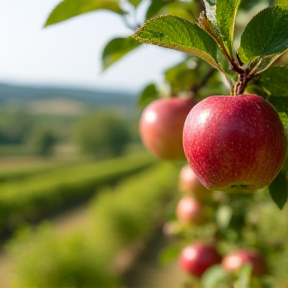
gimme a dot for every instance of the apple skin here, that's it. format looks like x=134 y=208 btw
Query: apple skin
x=189 y=210
x=196 y=258
x=236 y=259
x=161 y=127
x=189 y=182
x=234 y=143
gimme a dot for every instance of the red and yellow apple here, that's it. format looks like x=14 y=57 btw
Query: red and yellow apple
x=161 y=126
x=234 y=143
x=236 y=259
x=196 y=258
x=189 y=182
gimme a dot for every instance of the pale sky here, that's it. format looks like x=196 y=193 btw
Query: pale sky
x=69 y=53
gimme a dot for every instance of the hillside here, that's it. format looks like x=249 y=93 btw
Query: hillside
x=16 y=94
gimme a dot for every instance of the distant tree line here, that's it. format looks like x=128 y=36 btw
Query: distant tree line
x=97 y=133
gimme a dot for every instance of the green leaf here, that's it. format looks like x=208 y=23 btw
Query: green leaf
x=244 y=277
x=278 y=190
x=265 y=35
x=71 y=8
x=274 y=81
x=215 y=277
x=225 y=14
x=218 y=20
x=155 y=6
x=135 y=3
x=179 y=34
x=208 y=22
x=116 y=49
x=149 y=94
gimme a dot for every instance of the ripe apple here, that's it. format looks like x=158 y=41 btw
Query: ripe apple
x=236 y=259
x=196 y=258
x=161 y=126
x=234 y=143
x=189 y=182
x=189 y=210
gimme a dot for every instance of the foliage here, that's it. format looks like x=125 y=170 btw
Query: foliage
x=37 y=196
x=102 y=135
x=87 y=258
x=43 y=141
x=14 y=127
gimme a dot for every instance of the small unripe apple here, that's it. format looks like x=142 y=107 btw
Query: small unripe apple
x=234 y=143
x=189 y=210
x=196 y=258
x=189 y=182
x=236 y=259
x=161 y=127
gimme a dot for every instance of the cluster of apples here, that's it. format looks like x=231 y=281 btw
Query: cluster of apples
x=232 y=143
x=197 y=257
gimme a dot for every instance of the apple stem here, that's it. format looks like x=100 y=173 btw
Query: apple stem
x=243 y=78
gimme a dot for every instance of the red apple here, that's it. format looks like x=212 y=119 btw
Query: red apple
x=161 y=126
x=189 y=210
x=234 y=143
x=196 y=258
x=189 y=182
x=236 y=259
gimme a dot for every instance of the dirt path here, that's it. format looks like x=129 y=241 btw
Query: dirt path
x=147 y=272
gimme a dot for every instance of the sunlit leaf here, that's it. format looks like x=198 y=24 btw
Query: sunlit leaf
x=179 y=34
x=71 y=8
x=225 y=15
x=116 y=49
x=218 y=20
x=208 y=22
x=278 y=190
x=265 y=35
x=210 y=10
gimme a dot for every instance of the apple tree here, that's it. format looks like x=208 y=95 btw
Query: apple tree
x=229 y=94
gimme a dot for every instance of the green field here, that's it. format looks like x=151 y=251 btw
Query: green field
x=43 y=194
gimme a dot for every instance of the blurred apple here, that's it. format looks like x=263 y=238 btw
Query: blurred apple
x=236 y=259
x=189 y=210
x=196 y=258
x=161 y=127
x=189 y=182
